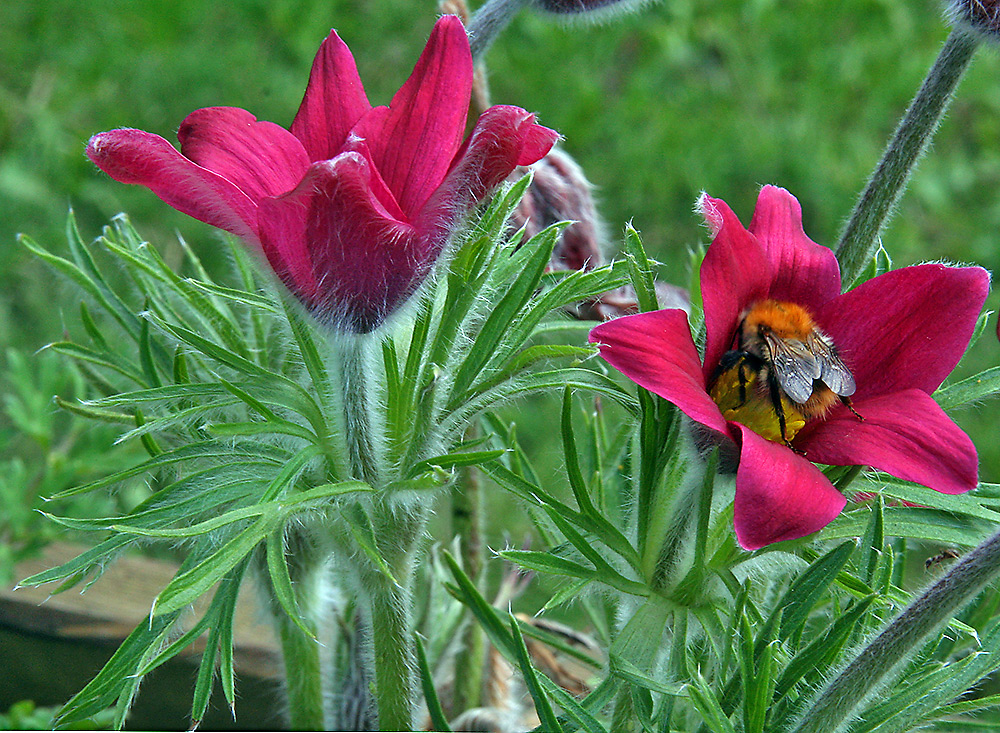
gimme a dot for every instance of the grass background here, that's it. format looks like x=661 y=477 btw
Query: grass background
x=684 y=96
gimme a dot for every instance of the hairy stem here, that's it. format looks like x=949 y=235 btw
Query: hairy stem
x=357 y=411
x=466 y=520
x=876 y=664
x=398 y=532
x=305 y=672
x=303 y=677
x=860 y=238
x=489 y=22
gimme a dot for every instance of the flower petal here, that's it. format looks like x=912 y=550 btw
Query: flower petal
x=906 y=434
x=803 y=272
x=260 y=158
x=134 y=156
x=414 y=142
x=333 y=103
x=503 y=138
x=655 y=351
x=364 y=263
x=378 y=186
x=907 y=328
x=734 y=274
x=779 y=495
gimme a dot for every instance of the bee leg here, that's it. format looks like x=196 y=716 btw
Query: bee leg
x=741 y=374
x=779 y=410
x=847 y=404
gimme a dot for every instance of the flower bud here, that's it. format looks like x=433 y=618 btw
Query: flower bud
x=589 y=9
x=980 y=16
x=559 y=191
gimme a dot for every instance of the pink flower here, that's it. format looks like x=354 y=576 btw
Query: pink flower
x=899 y=334
x=352 y=204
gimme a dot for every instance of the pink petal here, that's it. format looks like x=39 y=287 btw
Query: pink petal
x=779 y=495
x=363 y=262
x=260 y=158
x=803 y=272
x=334 y=101
x=906 y=434
x=378 y=186
x=655 y=351
x=134 y=156
x=503 y=138
x=907 y=328
x=413 y=144
x=734 y=274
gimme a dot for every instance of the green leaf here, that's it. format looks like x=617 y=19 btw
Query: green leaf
x=361 y=528
x=543 y=707
x=242 y=297
x=819 y=655
x=434 y=710
x=281 y=580
x=99 y=292
x=707 y=704
x=103 y=360
x=603 y=570
x=454 y=460
x=975 y=388
x=809 y=588
x=524 y=359
x=105 y=688
x=928 y=701
x=92 y=413
x=640 y=271
x=917 y=523
x=308 y=350
x=504 y=311
x=546 y=562
x=186 y=587
x=206 y=449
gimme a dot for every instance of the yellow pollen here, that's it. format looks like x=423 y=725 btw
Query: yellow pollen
x=757 y=411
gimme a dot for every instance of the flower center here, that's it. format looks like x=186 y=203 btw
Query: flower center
x=783 y=372
x=751 y=404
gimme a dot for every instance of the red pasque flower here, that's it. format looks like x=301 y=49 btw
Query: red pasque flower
x=899 y=335
x=352 y=204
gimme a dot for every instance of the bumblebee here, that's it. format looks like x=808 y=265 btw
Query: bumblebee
x=784 y=369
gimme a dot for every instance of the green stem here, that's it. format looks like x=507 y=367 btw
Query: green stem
x=398 y=532
x=357 y=411
x=303 y=676
x=489 y=21
x=303 y=654
x=875 y=665
x=860 y=238
x=466 y=520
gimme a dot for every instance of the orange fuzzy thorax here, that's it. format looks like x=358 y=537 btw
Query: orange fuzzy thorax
x=786 y=320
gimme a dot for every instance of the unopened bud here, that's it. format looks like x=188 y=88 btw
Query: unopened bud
x=559 y=191
x=979 y=16
x=588 y=9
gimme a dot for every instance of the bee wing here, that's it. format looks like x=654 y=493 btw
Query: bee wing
x=833 y=372
x=795 y=366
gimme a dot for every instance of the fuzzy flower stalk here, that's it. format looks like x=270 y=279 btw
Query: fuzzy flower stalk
x=352 y=204
x=795 y=373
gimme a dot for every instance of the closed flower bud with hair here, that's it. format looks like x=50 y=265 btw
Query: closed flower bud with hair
x=560 y=191
x=980 y=16
x=588 y=9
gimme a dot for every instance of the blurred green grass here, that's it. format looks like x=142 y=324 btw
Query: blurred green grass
x=683 y=97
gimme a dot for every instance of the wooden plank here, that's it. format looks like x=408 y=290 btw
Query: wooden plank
x=118 y=601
